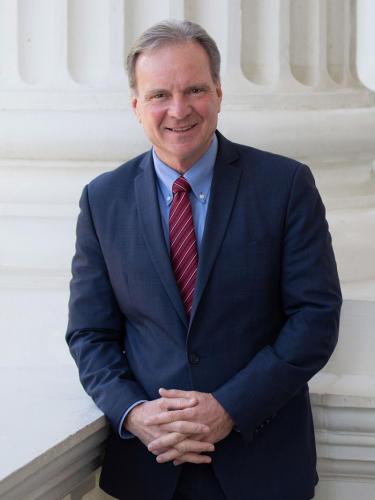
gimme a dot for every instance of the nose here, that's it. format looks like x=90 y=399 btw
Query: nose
x=179 y=107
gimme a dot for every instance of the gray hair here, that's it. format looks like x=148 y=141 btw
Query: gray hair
x=170 y=32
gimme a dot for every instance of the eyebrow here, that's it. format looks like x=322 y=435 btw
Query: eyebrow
x=155 y=91
x=203 y=86
x=197 y=85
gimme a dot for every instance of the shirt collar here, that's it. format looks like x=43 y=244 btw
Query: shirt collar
x=199 y=175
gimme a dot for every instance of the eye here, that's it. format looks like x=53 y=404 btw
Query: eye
x=196 y=90
x=160 y=95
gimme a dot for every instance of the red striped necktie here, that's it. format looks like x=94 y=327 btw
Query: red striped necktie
x=183 y=243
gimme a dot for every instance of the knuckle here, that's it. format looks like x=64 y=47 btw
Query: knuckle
x=173 y=454
x=182 y=450
x=190 y=412
x=182 y=447
x=166 y=428
x=179 y=426
x=173 y=439
x=162 y=403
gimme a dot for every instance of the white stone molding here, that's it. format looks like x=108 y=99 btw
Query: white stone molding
x=345 y=430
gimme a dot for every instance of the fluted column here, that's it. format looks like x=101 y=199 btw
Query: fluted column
x=366 y=42
x=63 y=54
x=303 y=52
x=8 y=44
x=69 y=54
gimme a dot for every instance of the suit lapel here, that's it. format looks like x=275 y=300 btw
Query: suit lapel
x=151 y=227
x=224 y=188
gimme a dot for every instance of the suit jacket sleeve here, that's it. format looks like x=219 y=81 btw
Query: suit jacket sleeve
x=311 y=302
x=96 y=325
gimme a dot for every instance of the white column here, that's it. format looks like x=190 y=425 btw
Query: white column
x=213 y=16
x=35 y=40
x=9 y=75
x=291 y=53
x=337 y=40
x=88 y=43
x=141 y=14
x=305 y=40
x=260 y=29
x=366 y=42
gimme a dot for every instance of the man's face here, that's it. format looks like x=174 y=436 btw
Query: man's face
x=177 y=102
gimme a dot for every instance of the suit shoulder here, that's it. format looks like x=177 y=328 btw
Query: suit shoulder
x=118 y=178
x=269 y=172
x=269 y=162
x=127 y=170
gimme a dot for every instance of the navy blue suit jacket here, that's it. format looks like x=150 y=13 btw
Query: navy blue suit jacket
x=264 y=320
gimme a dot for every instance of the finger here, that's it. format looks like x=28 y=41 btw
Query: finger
x=177 y=403
x=168 y=456
x=166 y=417
x=162 y=443
x=179 y=442
x=185 y=427
x=175 y=393
x=191 y=457
x=196 y=459
x=190 y=445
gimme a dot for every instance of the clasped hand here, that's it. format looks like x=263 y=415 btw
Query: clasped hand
x=180 y=425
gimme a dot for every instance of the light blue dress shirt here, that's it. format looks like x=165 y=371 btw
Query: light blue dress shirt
x=199 y=176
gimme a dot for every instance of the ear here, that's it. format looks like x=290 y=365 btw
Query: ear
x=135 y=108
x=219 y=94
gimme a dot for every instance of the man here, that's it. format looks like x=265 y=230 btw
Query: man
x=204 y=296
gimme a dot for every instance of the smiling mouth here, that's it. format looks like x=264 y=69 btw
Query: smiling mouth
x=180 y=130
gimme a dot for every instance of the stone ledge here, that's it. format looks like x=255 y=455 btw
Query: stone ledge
x=60 y=469
x=52 y=432
x=344 y=418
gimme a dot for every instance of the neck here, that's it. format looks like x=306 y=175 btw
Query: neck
x=181 y=165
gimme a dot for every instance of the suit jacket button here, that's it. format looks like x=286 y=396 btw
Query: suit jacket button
x=194 y=358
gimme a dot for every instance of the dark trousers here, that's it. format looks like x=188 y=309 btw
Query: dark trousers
x=198 y=482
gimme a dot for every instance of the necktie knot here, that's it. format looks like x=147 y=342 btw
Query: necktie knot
x=181 y=185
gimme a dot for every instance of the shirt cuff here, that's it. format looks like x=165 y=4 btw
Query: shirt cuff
x=121 y=430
